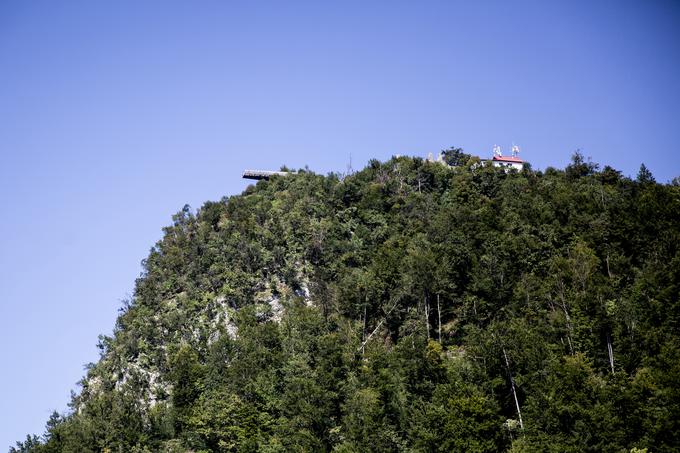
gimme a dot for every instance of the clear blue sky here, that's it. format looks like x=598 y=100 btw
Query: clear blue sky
x=115 y=114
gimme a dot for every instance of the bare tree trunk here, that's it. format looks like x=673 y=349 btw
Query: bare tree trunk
x=570 y=329
x=363 y=344
x=367 y=338
x=439 y=317
x=363 y=335
x=610 y=350
x=427 y=317
x=512 y=385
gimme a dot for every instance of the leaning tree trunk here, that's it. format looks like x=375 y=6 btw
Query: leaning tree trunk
x=514 y=391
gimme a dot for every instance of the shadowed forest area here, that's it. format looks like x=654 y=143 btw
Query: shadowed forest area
x=410 y=306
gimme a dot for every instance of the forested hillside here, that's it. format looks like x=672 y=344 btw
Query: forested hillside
x=410 y=306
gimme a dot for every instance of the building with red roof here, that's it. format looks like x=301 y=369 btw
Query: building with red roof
x=498 y=160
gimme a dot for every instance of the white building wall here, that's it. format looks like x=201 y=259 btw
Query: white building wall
x=516 y=165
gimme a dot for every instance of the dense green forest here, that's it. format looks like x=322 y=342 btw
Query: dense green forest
x=410 y=306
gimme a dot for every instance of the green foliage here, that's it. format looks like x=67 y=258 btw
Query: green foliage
x=455 y=157
x=410 y=306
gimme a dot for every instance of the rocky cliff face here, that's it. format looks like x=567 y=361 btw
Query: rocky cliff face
x=143 y=369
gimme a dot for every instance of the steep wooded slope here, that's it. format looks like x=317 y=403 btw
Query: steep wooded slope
x=408 y=307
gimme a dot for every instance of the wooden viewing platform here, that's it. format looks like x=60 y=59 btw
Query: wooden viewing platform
x=263 y=174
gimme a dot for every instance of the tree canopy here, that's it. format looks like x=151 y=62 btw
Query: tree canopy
x=410 y=306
